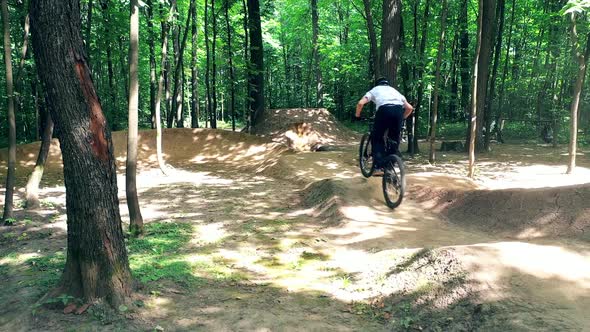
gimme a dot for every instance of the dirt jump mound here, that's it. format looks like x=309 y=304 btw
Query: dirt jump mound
x=303 y=129
x=518 y=213
x=181 y=148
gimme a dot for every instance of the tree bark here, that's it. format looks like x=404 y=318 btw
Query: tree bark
x=390 y=39
x=32 y=188
x=135 y=217
x=10 y=176
x=316 y=54
x=441 y=44
x=256 y=72
x=96 y=266
x=194 y=69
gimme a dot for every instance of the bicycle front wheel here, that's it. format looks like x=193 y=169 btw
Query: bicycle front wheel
x=366 y=162
x=394 y=181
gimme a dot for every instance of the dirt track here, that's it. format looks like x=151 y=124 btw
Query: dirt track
x=316 y=249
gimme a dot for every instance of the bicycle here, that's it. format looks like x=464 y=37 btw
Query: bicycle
x=394 y=180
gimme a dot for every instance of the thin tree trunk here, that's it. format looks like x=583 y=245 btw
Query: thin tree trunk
x=20 y=73
x=214 y=67
x=163 y=66
x=10 y=176
x=492 y=94
x=88 y=28
x=232 y=77
x=256 y=73
x=96 y=265
x=499 y=117
x=372 y=41
x=32 y=188
x=173 y=114
x=194 y=70
x=474 y=101
x=152 y=46
x=208 y=66
x=581 y=58
x=135 y=218
x=441 y=44
x=178 y=76
x=421 y=68
x=246 y=110
x=316 y=54
x=464 y=56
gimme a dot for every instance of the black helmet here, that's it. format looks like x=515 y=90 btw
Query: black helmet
x=382 y=81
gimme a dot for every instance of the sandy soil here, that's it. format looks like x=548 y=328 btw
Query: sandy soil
x=288 y=241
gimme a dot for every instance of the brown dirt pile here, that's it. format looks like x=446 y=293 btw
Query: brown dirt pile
x=181 y=147
x=303 y=128
x=519 y=213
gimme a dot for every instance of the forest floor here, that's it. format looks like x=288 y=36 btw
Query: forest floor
x=243 y=235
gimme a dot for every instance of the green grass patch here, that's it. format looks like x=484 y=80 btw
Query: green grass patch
x=156 y=255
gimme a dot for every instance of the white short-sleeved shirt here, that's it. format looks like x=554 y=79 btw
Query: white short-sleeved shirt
x=384 y=95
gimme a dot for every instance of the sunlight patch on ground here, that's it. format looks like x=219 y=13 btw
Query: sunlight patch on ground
x=537 y=176
x=554 y=267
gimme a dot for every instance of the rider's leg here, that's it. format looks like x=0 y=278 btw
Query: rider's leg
x=379 y=128
x=395 y=126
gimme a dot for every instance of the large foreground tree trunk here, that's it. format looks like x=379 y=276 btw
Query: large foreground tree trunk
x=10 y=177
x=97 y=266
x=135 y=218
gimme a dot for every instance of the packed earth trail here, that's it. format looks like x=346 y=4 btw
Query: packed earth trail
x=244 y=235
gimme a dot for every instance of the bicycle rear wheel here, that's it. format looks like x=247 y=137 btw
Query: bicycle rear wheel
x=366 y=161
x=394 y=181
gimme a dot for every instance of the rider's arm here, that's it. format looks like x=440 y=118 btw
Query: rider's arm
x=408 y=109
x=359 y=106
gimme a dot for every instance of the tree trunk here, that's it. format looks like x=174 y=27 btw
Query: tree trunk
x=246 y=109
x=464 y=41
x=208 y=66
x=152 y=46
x=160 y=94
x=390 y=39
x=487 y=34
x=372 y=41
x=32 y=188
x=214 y=68
x=474 y=98
x=581 y=58
x=96 y=266
x=256 y=73
x=135 y=218
x=420 y=76
x=89 y=28
x=232 y=77
x=441 y=44
x=499 y=116
x=194 y=69
x=492 y=94
x=316 y=54
x=10 y=176
x=178 y=72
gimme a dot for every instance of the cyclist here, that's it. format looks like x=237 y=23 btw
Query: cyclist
x=392 y=109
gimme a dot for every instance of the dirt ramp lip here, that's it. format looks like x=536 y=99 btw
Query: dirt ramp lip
x=515 y=213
